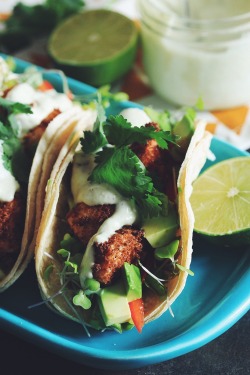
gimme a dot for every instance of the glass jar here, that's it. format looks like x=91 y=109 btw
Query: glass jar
x=197 y=49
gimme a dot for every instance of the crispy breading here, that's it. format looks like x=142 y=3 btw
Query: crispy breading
x=150 y=152
x=32 y=138
x=159 y=163
x=12 y=217
x=125 y=245
x=84 y=220
x=151 y=155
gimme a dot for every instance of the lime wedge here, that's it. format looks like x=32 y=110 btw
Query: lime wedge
x=221 y=202
x=96 y=46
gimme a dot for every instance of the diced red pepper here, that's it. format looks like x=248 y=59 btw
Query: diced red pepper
x=137 y=313
x=45 y=86
x=70 y=95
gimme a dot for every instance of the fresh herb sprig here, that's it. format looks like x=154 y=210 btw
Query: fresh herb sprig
x=118 y=166
x=27 y=22
x=9 y=131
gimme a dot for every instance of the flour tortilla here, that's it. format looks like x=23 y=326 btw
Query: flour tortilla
x=52 y=141
x=53 y=227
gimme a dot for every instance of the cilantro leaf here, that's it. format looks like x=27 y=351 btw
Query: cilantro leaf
x=5 y=132
x=151 y=205
x=117 y=131
x=10 y=147
x=108 y=169
x=14 y=107
x=94 y=140
x=11 y=144
x=120 y=132
x=27 y=22
x=130 y=180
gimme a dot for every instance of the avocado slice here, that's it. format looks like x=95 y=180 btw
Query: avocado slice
x=114 y=305
x=133 y=283
x=161 y=230
x=184 y=130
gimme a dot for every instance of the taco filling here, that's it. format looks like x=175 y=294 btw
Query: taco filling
x=116 y=253
x=28 y=104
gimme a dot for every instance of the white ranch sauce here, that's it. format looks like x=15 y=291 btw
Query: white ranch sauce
x=42 y=104
x=135 y=116
x=8 y=183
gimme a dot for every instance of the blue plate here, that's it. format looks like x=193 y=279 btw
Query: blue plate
x=212 y=301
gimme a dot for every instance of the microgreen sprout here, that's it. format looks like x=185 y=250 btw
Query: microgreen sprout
x=151 y=274
x=80 y=299
x=48 y=272
x=91 y=286
x=168 y=252
x=82 y=296
x=184 y=269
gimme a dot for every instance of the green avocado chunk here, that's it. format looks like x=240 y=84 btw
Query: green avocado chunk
x=161 y=230
x=133 y=283
x=184 y=129
x=114 y=305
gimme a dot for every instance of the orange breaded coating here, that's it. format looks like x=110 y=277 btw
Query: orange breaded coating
x=84 y=220
x=12 y=217
x=125 y=245
x=32 y=138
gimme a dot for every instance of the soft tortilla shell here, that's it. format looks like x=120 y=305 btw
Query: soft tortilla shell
x=52 y=229
x=52 y=225
x=195 y=159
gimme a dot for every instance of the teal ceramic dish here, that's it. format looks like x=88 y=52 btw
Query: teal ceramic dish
x=212 y=301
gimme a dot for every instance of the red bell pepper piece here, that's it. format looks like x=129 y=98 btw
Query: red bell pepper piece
x=45 y=86
x=137 y=313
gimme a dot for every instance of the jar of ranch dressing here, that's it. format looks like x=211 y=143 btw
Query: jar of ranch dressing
x=196 y=49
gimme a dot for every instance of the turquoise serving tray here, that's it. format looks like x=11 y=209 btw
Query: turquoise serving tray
x=212 y=301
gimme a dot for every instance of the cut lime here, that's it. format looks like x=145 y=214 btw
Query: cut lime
x=221 y=202
x=96 y=46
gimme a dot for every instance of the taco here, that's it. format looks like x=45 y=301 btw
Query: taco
x=31 y=114
x=114 y=245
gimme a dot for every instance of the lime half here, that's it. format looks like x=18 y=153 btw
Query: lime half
x=221 y=202
x=97 y=46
